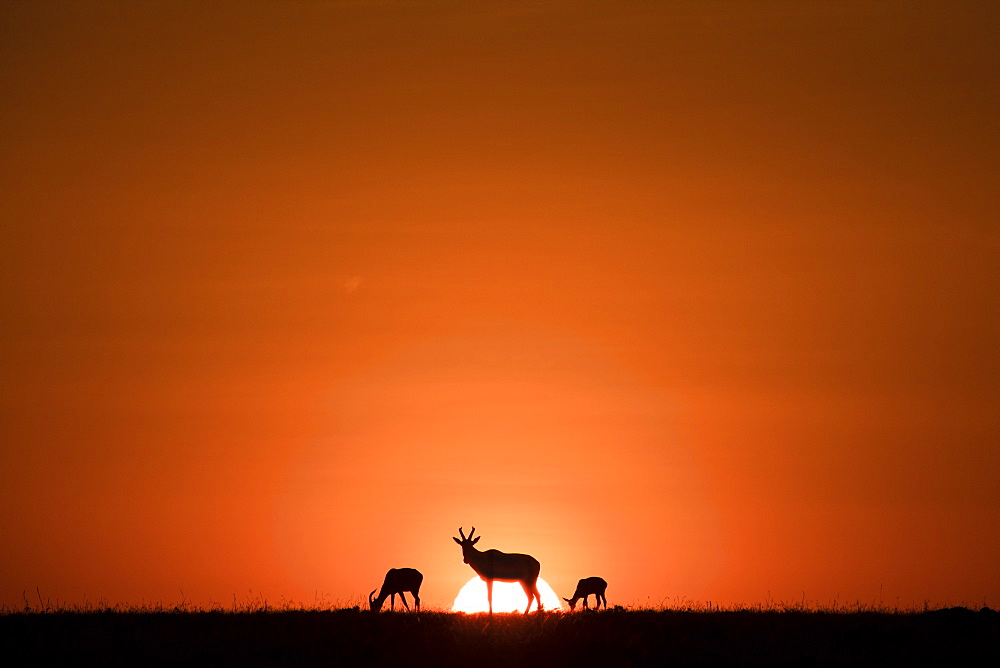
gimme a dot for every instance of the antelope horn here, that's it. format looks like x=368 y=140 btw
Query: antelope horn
x=460 y=533
x=371 y=596
x=472 y=532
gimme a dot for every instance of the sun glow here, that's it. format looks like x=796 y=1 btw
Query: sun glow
x=507 y=597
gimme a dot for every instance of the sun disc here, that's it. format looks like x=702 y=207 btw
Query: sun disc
x=507 y=597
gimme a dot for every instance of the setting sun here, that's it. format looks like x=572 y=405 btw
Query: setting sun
x=507 y=597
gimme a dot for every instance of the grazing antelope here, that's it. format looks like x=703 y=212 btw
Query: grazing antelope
x=496 y=565
x=397 y=580
x=586 y=587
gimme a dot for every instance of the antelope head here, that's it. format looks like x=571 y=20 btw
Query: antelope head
x=467 y=543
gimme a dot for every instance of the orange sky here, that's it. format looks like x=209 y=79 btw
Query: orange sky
x=698 y=297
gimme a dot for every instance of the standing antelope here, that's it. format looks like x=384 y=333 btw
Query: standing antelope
x=397 y=580
x=586 y=587
x=496 y=565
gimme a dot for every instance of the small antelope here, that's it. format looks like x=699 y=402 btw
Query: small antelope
x=496 y=565
x=586 y=587
x=397 y=580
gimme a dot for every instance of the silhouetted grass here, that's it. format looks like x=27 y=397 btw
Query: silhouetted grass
x=618 y=637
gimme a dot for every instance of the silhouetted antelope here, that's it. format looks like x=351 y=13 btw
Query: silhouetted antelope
x=586 y=587
x=496 y=565
x=397 y=580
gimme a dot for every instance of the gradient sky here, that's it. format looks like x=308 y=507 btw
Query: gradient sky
x=700 y=297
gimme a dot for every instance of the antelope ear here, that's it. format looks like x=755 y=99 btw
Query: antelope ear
x=456 y=540
x=567 y=600
x=476 y=540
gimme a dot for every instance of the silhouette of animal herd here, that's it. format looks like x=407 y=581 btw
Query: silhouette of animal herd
x=491 y=566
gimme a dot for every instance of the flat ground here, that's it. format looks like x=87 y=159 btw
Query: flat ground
x=629 y=638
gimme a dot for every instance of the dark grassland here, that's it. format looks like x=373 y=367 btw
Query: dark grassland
x=955 y=636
